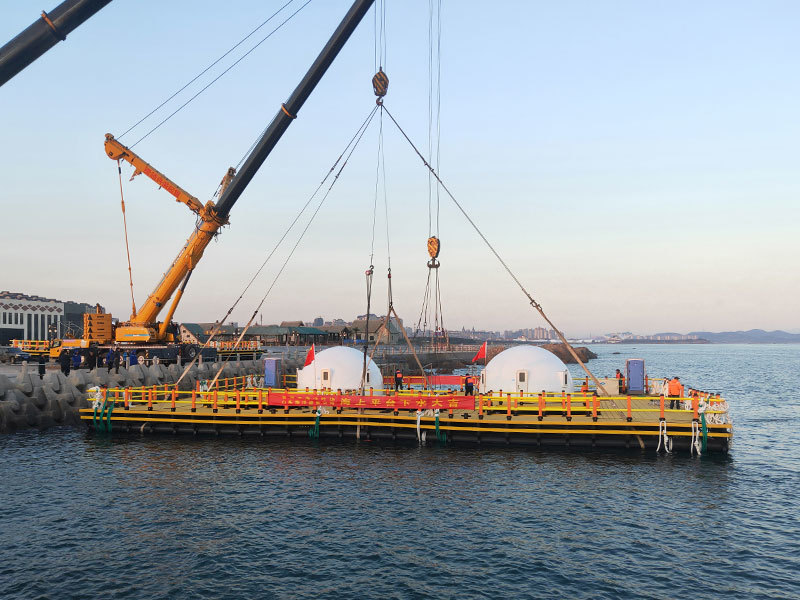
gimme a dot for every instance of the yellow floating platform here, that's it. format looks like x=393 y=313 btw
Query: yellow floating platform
x=577 y=421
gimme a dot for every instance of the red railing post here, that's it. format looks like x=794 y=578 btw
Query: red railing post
x=630 y=412
x=661 y=407
x=508 y=407
x=150 y=399
x=194 y=401
x=238 y=402
x=480 y=408
x=695 y=408
x=260 y=401
x=172 y=408
x=569 y=407
x=541 y=406
x=594 y=409
x=216 y=401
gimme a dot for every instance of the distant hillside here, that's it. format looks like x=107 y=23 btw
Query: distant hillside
x=754 y=336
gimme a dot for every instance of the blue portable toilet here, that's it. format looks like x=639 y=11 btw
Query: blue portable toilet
x=272 y=372
x=635 y=375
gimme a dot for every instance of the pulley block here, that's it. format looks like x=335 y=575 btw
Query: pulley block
x=434 y=246
x=380 y=83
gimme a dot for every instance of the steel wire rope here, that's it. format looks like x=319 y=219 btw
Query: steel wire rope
x=125 y=228
x=230 y=310
x=204 y=71
x=359 y=135
x=217 y=78
x=532 y=301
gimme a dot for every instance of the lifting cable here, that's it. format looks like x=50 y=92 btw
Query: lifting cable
x=230 y=310
x=213 y=81
x=127 y=248
x=530 y=298
x=353 y=145
x=432 y=297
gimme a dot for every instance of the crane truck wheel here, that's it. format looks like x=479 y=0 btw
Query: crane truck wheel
x=189 y=351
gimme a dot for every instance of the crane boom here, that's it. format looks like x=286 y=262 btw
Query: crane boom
x=116 y=151
x=45 y=33
x=142 y=326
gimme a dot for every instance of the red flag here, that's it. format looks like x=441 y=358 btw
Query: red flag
x=481 y=353
x=309 y=356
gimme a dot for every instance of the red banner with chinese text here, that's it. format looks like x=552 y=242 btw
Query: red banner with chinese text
x=404 y=402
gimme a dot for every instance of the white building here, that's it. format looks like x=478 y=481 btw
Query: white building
x=529 y=369
x=339 y=368
x=24 y=317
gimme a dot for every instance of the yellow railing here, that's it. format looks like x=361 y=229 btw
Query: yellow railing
x=31 y=345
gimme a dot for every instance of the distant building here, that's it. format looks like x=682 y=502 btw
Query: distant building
x=318 y=322
x=359 y=331
x=30 y=317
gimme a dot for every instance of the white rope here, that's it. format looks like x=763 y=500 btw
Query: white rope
x=663 y=437
x=695 y=446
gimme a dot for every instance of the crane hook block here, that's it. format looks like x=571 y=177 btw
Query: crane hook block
x=434 y=246
x=380 y=83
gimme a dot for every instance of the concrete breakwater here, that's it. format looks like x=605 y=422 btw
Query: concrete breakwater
x=29 y=402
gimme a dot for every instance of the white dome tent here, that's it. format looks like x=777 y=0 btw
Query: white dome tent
x=339 y=368
x=527 y=369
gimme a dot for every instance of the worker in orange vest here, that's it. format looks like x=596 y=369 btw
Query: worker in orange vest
x=469 y=386
x=398 y=380
x=621 y=378
x=674 y=392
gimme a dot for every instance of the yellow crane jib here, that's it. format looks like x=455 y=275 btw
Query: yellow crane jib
x=116 y=151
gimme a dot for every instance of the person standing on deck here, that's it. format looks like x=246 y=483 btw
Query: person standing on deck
x=398 y=380
x=76 y=359
x=675 y=392
x=110 y=359
x=621 y=379
x=116 y=361
x=469 y=386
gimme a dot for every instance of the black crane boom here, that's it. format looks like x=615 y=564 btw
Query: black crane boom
x=289 y=110
x=43 y=34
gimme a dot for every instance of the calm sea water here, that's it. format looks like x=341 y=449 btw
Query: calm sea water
x=164 y=517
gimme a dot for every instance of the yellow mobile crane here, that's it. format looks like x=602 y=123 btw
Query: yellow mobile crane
x=142 y=332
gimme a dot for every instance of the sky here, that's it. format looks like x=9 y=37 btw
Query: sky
x=634 y=163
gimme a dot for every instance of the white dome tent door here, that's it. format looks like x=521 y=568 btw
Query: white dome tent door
x=522 y=381
x=325 y=379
